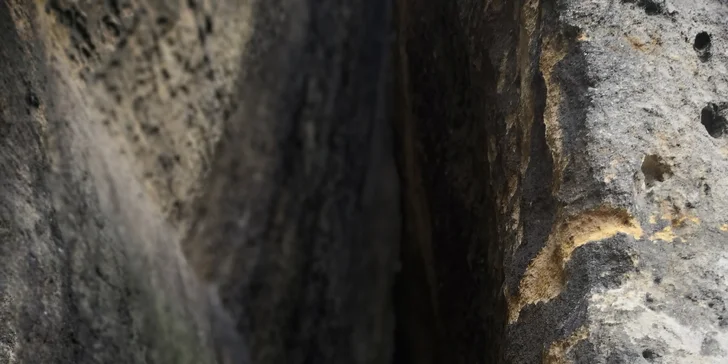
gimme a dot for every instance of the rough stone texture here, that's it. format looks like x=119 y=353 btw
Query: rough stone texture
x=569 y=156
x=184 y=180
x=90 y=272
x=651 y=155
x=214 y=181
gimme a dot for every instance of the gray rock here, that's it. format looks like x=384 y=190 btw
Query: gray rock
x=571 y=157
x=219 y=181
x=135 y=136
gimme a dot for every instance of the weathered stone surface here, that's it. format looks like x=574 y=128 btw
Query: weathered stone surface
x=570 y=157
x=134 y=232
x=649 y=154
x=215 y=181
x=90 y=272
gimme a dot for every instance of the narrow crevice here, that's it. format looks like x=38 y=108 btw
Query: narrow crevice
x=416 y=326
x=449 y=305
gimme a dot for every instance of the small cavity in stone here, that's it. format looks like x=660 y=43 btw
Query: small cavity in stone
x=649 y=299
x=649 y=354
x=651 y=7
x=33 y=99
x=702 y=41
x=655 y=169
x=712 y=119
x=702 y=45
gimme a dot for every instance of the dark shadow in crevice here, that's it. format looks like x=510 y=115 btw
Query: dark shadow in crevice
x=448 y=97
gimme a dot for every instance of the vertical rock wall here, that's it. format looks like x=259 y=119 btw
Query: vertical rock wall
x=215 y=181
x=183 y=180
x=654 y=268
x=594 y=133
x=91 y=272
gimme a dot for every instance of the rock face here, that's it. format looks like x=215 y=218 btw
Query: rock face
x=134 y=232
x=570 y=155
x=92 y=271
x=219 y=181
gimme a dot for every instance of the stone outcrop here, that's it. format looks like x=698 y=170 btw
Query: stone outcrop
x=527 y=181
x=569 y=158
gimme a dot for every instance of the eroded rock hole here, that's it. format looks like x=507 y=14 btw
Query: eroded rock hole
x=649 y=298
x=649 y=354
x=702 y=41
x=713 y=120
x=651 y=7
x=702 y=45
x=655 y=169
x=33 y=100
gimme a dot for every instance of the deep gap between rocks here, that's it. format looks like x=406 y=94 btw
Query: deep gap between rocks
x=448 y=302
